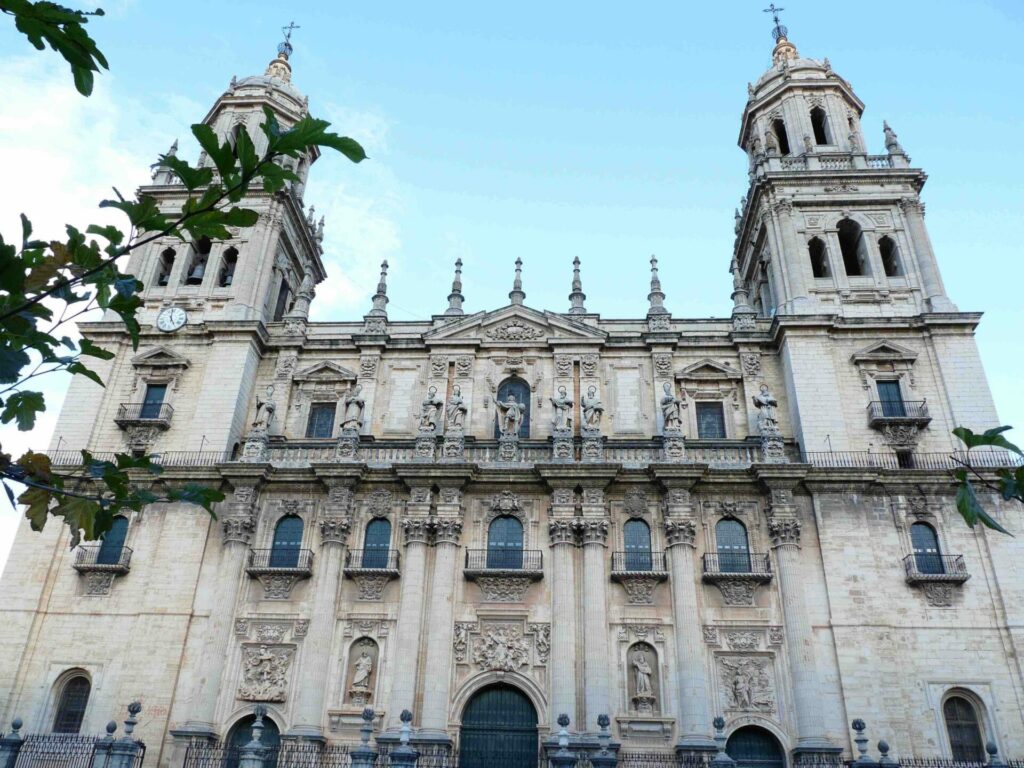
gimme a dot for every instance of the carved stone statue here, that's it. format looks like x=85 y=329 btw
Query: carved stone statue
x=563 y=411
x=642 y=674
x=767 y=419
x=363 y=668
x=265 y=411
x=593 y=409
x=670 y=410
x=304 y=295
x=456 y=410
x=510 y=415
x=430 y=411
x=352 y=405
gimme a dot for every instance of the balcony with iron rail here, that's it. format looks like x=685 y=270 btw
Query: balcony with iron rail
x=144 y=414
x=884 y=413
x=366 y=562
x=928 y=568
x=94 y=558
x=934 y=461
x=504 y=562
x=725 y=566
x=638 y=562
x=292 y=561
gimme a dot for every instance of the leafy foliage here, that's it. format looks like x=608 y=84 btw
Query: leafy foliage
x=47 y=283
x=1010 y=481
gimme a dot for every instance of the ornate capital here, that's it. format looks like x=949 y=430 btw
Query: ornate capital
x=239 y=527
x=563 y=531
x=594 y=532
x=447 y=530
x=784 y=531
x=417 y=530
x=680 y=532
x=334 y=529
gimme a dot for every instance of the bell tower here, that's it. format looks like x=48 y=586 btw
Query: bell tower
x=826 y=227
x=266 y=272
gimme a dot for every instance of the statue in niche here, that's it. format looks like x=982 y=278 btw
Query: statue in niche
x=352 y=404
x=767 y=419
x=642 y=673
x=430 y=411
x=563 y=411
x=455 y=412
x=510 y=415
x=670 y=410
x=359 y=689
x=265 y=411
x=593 y=409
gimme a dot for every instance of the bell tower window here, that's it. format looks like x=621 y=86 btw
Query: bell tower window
x=819 y=257
x=163 y=272
x=819 y=123
x=890 y=257
x=779 y=129
x=282 y=300
x=227 y=267
x=854 y=248
x=200 y=256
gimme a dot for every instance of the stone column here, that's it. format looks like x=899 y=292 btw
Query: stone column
x=691 y=664
x=595 y=605
x=927 y=266
x=792 y=259
x=437 y=682
x=562 y=527
x=317 y=648
x=784 y=529
x=238 y=521
x=416 y=527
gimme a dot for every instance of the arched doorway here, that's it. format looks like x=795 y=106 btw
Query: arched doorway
x=753 y=747
x=499 y=730
x=241 y=734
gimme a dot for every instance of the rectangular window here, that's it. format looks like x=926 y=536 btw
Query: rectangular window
x=154 y=399
x=321 y=420
x=905 y=459
x=282 y=301
x=891 y=398
x=710 y=421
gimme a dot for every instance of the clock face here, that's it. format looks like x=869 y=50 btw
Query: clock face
x=171 y=319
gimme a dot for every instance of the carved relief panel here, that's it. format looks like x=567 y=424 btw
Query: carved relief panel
x=747 y=683
x=502 y=644
x=264 y=673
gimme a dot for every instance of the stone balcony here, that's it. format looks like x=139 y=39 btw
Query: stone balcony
x=936 y=576
x=371 y=570
x=504 y=575
x=737 y=574
x=279 y=569
x=144 y=415
x=882 y=413
x=639 y=572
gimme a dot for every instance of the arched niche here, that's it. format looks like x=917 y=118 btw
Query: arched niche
x=643 y=679
x=363 y=668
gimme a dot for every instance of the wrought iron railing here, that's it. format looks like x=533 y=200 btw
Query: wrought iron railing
x=638 y=561
x=164 y=458
x=509 y=559
x=932 y=461
x=283 y=755
x=736 y=564
x=144 y=412
x=94 y=557
x=281 y=558
x=372 y=559
x=921 y=565
x=898 y=410
x=67 y=750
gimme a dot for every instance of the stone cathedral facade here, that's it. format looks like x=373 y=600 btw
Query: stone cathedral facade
x=498 y=516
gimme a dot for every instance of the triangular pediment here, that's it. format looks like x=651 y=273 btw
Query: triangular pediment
x=515 y=324
x=707 y=369
x=884 y=350
x=325 y=371
x=160 y=357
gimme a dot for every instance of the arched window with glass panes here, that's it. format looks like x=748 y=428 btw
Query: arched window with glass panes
x=71 y=703
x=733 y=546
x=284 y=552
x=376 y=543
x=925 y=543
x=505 y=542
x=112 y=544
x=963 y=727
x=636 y=537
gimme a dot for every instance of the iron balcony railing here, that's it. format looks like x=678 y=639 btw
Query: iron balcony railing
x=905 y=411
x=926 y=566
x=638 y=561
x=96 y=557
x=504 y=559
x=147 y=412
x=292 y=559
x=929 y=461
x=372 y=560
x=163 y=458
x=737 y=564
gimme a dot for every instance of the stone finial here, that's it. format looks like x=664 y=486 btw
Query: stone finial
x=406 y=729
x=656 y=298
x=722 y=759
x=577 y=296
x=516 y=294
x=380 y=298
x=861 y=740
x=455 y=298
x=111 y=729
x=366 y=729
x=994 y=760
x=563 y=733
x=892 y=144
x=884 y=759
x=16 y=725
x=129 y=725
x=260 y=711
x=173 y=151
x=311 y=217
x=320 y=230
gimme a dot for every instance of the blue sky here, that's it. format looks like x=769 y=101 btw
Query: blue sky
x=544 y=131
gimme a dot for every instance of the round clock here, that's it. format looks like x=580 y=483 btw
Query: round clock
x=171 y=319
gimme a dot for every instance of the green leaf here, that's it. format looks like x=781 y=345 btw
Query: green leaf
x=239 y=217
x=350 y=148
x=11 y=363
x=990 y=437
x=23 y=407
x=246 y=153
x=196 y=494
x=89 y=349
x=37 y=506
x=274 y=177
x=110 y=233
x=192 y=178
x=310 y=132
x=221 y=154
x=970 y=508
x=82 y=370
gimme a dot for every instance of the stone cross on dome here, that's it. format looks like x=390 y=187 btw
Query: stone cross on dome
x=285 y=48
x=784 y=49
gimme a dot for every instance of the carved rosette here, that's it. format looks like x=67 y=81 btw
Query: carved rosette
x=594 y=532
x=334 y=529
x=417 y=530
x=680 y=532
x=447 y=530
x=784 y=531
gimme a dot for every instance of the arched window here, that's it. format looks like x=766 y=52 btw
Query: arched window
x=376 y=543
x=890 y=257
x=925 y=542
x=964 y=730
x=733 y=547
x=819 y=122
x=283 y=293
x=113 y=542
x=505 y=543
x=819 y=257
x=163 y=272
x=753 y=747
x=520 y=392
x=74 y=696
x=779 y=129
x=241 y=734
x=227 y=267
x=854 y=248
x=636 y=535
x=284 y=553
x=200 y=255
